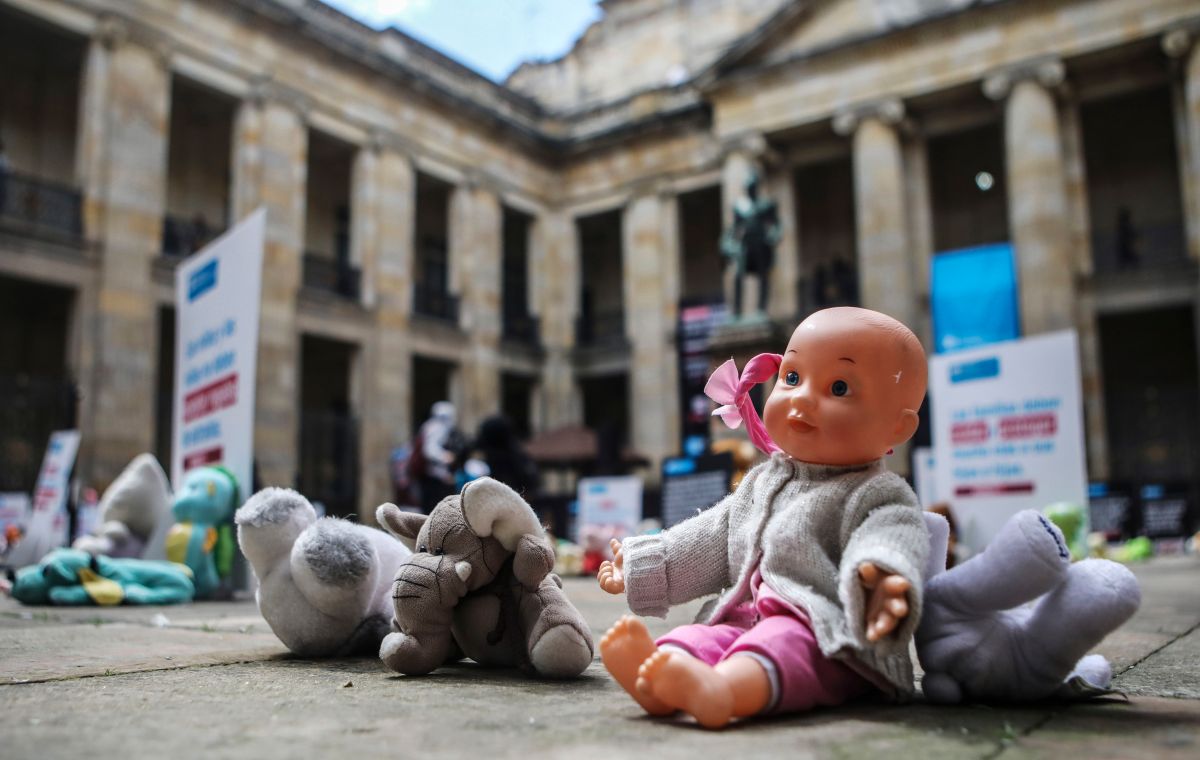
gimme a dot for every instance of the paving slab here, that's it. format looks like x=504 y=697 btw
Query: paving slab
x=54 y=651
x=255 y=701
x=291 y=708
x=1142 y=727
x=1173 y=671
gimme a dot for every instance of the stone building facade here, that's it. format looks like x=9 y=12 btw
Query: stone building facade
x=526 y=248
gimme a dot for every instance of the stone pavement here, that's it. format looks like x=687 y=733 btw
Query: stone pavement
x=210 y=680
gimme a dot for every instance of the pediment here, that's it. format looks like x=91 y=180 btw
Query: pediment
x=811 y=26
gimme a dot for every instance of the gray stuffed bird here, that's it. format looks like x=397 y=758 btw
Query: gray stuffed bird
x=1015 y=622
x=480 y=585
x=324 y=585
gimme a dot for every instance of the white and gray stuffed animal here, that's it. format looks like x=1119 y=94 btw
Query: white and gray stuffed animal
x=1015 y=622
x=324 y=585
x=135 y=514
x=480 y=585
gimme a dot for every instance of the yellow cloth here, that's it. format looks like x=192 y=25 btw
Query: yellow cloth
x=103 y=591
x=177 y=542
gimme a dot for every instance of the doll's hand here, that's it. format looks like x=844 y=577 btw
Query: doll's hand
x=887 y=600
x=611 y=575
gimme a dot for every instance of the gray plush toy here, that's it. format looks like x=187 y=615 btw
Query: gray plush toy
x=480 y=585
x=1014 y=622
x=324 y=585
x=135 y=514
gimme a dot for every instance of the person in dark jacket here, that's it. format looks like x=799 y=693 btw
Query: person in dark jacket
x=497 y=443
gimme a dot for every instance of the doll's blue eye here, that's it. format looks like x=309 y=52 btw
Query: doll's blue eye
x=839 y=388
x=791 y=378
x=422 y=549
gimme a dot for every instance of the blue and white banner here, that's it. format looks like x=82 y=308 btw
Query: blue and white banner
x=974 y=297
x=217 y=296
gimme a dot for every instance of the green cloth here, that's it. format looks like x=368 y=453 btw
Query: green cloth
x=73 y=577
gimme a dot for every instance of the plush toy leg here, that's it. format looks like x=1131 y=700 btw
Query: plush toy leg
x=335 y=567
x=1096 y=598
x=268 y=525
x=559 y=641
x=1025 y=560
x=414 y=656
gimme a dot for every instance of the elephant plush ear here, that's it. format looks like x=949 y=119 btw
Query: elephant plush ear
x=493 y=509
x=403 y=525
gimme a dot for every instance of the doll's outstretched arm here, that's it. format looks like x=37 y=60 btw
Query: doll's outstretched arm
x=880 y=583
x=678 y=565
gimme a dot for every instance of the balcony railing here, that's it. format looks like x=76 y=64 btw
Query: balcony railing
x=1141 y=247
x=435 y=303
x=332 y=276
x=41 y=204
x=522 y=328
x=329 y=460
x=182 y=237
x=33 y=408
x=600 y=329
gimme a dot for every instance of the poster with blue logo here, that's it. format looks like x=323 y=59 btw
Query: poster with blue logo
x=1007 y=431
x=217 y=295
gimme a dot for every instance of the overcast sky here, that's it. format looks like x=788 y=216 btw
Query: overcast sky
x=490 y=36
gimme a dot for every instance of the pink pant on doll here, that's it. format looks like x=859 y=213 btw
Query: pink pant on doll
x=783 y=642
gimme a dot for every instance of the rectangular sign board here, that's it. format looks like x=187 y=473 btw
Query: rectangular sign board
x=1007 y=431
x=217 y=295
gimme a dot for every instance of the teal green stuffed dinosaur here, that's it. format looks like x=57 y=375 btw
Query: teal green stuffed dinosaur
x=74 y=577
x=202 y=537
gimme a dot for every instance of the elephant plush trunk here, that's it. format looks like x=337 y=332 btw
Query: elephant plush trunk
x=424 y=595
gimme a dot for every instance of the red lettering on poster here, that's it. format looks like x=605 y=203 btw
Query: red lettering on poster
x=200 y=458
x=1028 y=426
x=969 y=433
x=994 y=489
x=211 y=398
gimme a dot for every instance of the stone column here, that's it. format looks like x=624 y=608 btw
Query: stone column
x=1181 y=46
x=1038 y=206
x=783 y=305
x=476 y=252
x=123 y=164
x=920 y=233
x=270 y=147
x=885 y=257
x=385 y=198
x=650 y=263
x=1087 y=321
x=554 y=281
x=885 y=261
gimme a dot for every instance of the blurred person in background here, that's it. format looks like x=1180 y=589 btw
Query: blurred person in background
x=496 y=442
x=435 y=454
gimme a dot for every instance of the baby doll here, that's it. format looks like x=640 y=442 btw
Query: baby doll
x=820 y=548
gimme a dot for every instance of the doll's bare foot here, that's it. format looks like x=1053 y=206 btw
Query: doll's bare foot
x=622 y=650
x=683 y=682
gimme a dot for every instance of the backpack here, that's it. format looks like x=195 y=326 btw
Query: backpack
x=418 y=466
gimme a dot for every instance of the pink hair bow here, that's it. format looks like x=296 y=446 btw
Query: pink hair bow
x=732 y=391
x=722 y=388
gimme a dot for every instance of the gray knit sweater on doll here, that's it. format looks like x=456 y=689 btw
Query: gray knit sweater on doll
x=807 y=528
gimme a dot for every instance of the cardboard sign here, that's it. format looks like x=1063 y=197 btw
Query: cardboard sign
x=217 y=295
x=691 y=485
x=611 y=501
x=1007 y=431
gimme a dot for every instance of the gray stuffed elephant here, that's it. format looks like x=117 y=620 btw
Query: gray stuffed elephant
x=1016 y=621
x=324 y=585
x=480 y=585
